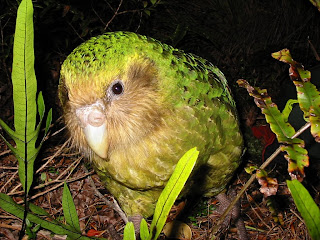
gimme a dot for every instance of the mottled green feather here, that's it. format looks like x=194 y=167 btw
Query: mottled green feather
x=187 y=100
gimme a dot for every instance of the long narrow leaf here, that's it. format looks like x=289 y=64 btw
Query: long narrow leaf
x=307 y=207
x=69 y=209
x=144 y=231
x=7 y=204
x=24 y=97
x=129 y=233
x=24 y=91
x=172 y=190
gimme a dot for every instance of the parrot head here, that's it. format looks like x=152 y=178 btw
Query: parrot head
x=110 y=100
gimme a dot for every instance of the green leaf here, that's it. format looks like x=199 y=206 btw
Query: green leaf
x=172 y=190
x=316 y=3
x=179 y=34
x=24 y=92
x=11 y=134
x=288 y=108
x=7 y=204
x=145 y=4
x=144 y=231
x=129 y=233
x=23 y=74
x=277 y=121
x=38 y=210
x=296 y=155
x=307 y=93
x=307 y=207
x=315 y=121
x=297 y=158
x=147 y=12
x=69 y=209
x=24 y=97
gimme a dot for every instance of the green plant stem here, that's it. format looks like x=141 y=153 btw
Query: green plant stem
x=251 y=179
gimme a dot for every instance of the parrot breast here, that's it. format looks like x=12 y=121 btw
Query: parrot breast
x=134 y=106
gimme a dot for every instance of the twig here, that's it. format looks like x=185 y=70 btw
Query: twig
x=314 y=51
x=114 y=15
x=53 y=156
x=13 y=191
x=297 y=215
x=61 y=182
x=57 y=180
x=13 y=227
x=12 y=177
x=113 y=204
x=75 y=31
x=9 y=168
x=58 y=131
x=107 y=2
x=73 y=165
x=140 y=19
x=129 y=11
x=5 y=152
x=260 y=218
x=95 y=12
x=251 y=179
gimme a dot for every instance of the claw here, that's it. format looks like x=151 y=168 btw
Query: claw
x=136 y=220
x=235 y=214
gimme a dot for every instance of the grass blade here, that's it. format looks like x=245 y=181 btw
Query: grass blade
x=307 y=207
x=172 y=191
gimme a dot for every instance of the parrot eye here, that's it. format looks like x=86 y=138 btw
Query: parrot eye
x=117 y=88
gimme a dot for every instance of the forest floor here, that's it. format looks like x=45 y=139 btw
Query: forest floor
x=272 y=218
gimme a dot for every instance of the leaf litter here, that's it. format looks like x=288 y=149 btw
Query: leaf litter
x=96 y=218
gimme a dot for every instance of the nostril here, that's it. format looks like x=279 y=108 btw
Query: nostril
x=91 y=114
x=96 y=118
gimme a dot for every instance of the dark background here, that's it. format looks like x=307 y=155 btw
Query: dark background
x=236 y=35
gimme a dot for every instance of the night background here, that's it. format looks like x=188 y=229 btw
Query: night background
x=237 y=36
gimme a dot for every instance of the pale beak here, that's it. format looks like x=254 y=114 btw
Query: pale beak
x=93 y=122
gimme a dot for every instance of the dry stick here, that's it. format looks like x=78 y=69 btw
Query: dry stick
x=314 y=51
x=13 y=227
x=9 y=168
x=73 y=165
x=5 y=152
x=58 y=131
x=43 y=166
x=12 y=177
x=114 y=15
x=251 y=179
x=59 y=184
x=113 y=204
x=57 y=180
x=297 y=215
x=54 y=155
x=12 y=192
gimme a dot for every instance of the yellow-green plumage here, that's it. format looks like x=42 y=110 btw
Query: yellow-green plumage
x=170 y=102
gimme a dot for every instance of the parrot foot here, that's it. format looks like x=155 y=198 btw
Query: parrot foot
x=136 y=220
x=235 y=215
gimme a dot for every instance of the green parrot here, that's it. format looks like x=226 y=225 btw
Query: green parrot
x=134 y=106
